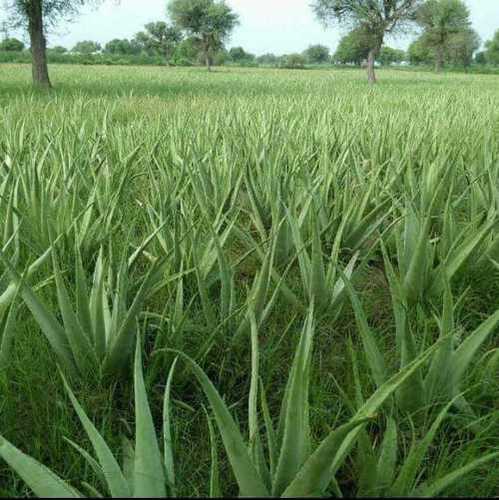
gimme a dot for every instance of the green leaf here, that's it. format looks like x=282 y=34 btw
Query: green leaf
x=295 y=432
x=385 y=470
x=466 y=351
x=116 y=482
x=407 y=475
x=52 y=329
x=247 y=477
x=149 y=477
x=167 y=433
x=436 y=488
x=41 y=480
x=315 y=475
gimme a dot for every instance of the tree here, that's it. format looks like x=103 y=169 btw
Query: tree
x=186 y=52
x=159 y=38
x=86 y=47
x=268 y=59
x=353 y=48
x=11 y=45
x=294 y=61
x=480 y=57
x=122 y=47
x=238 y=55
x=419 y=53
x=58 y=49
x=459 y=49
x=376 y=17
x=462 y=46
x=317 y=54
x=37 y=16
x=492 y=49
x=388 y=55
x=440 y=20
x=209 y=22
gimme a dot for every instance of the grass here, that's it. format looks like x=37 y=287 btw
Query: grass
x=262 y=208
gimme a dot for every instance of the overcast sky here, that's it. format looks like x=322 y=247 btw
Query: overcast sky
x=279 y=26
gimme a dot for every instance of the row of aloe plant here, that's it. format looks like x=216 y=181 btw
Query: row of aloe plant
x=283 y=463
x=105 y=229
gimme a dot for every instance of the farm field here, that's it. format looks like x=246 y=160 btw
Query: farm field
x=255 y=281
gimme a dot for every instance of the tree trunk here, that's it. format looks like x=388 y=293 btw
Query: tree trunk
x=371 y=74
x=439 y=59
x=38 y=45
x=208 y=61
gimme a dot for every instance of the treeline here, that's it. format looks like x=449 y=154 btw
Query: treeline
x=351 y=50
x=159 y=44
x=197 y=32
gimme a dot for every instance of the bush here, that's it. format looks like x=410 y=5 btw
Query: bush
x=294 y=61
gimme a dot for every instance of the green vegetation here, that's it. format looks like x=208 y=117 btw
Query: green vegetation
x=198 y=32
x=306 y=268
x=446 y=24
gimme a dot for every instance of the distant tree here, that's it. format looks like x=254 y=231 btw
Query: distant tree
x=459 y=49
x=222 y=56
x=462 y=46
x=11 y=45
x=86 y=47
x=238 y=54
x=209 y=22
x=159 y=38
x=294 y=61
x=481 y=57
x=123 y=47
x=419 y=52
x=492 y=49
x=376 y=17
x=353 y=47
x=388 y=55
x=37 y=16
x=58 y=49
x=317 y=54
x=440 y=20
x=268 y=59
x=186 y=52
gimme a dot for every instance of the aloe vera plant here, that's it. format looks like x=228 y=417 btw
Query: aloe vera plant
x=146 y=472
x=384 y=473
x=292 y=468
x=225 y=206
x=420 y=274
x=97 y=336
x=443 y=379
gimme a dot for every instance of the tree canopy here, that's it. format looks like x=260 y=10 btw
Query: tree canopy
x=86 y=47
x=353 y=47
x=376 y=17
x=122 y=46
x=207 y=21
x=238 y=54
x=159 y=38
x=441 y=20
x=317 y=54
x=388 y=55
x=11 y=45
x=492 y=49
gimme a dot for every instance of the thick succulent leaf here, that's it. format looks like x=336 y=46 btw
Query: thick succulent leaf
x=250 y=484
x=149 y=477
x=295 y=445
x=110 y=468
x=41 y=480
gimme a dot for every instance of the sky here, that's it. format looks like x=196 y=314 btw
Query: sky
x=278 y=26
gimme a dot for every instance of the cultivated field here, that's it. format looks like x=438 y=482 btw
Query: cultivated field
x=325 y=253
